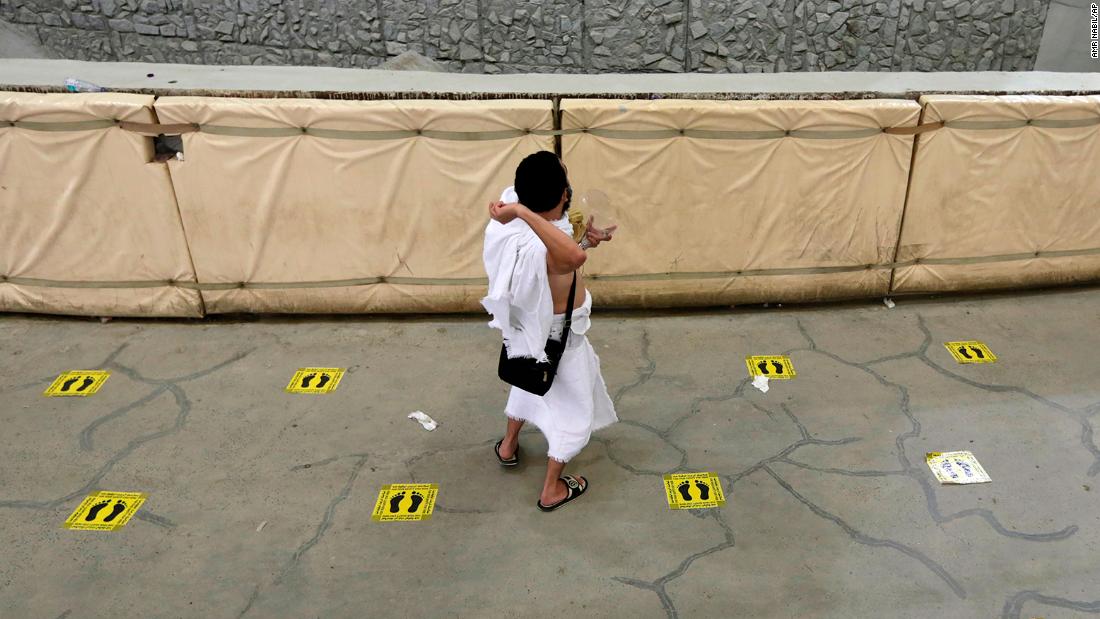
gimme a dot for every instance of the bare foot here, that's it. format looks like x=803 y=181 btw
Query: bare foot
x=508 y=448
x=559 y=492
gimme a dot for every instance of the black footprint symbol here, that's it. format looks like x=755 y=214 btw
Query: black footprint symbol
x=417 y=499
x=962 y=351
x=88 y=380
x=324 y=380
x=683 y=488
x=94 y=511
x=69 y=383
x=307 y=379
x=395 y=502
x=704 y=490
x=778 y=367
x=978 y=351
x=763 y=365
x=118 y=509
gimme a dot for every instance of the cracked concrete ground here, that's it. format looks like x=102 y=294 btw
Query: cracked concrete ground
x=831 y=510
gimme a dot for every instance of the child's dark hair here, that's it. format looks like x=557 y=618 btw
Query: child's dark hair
x=540 y=181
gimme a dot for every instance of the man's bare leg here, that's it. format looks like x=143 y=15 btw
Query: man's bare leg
x=553 y=489
x=511 y=438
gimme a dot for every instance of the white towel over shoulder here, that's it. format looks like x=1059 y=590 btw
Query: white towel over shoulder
x=519 y=300
x=519 y=287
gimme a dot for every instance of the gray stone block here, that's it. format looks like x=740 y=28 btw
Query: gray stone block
x=552 y=35
x=73 y=42
x=632 y=28
x=749 y=29
x=670 y=66
x=416 y=20
x=536 y=31
x=468 y=52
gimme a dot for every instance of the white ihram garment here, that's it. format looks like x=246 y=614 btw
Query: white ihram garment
x=523 y=309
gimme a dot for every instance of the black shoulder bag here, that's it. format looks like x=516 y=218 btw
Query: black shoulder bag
x=530 y=375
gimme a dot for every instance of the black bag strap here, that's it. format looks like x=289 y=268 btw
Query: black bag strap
x=569 y=312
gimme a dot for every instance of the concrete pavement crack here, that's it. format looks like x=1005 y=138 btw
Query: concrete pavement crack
x=835 y=471
x=319 y=463
x=87 y=433
x=867 y=540
x=181 y=417
x=326 y=521
x=644 y=374
x=608 y=447
x=658 y=586
x=1015 y=604
x=322 y=528
x=919 y=474
x=731 y=480
x=135 y=375
x=697 y=403
x=34 y=383
x=1081 y=416
x=183 y=405
x=486 y=445
x=151 y=518
x=251 y=600
x=49 y=379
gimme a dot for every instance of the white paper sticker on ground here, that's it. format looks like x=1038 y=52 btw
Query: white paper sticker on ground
x=426 y=421
x=956 y=467
x=888 y=302
x=761 y=383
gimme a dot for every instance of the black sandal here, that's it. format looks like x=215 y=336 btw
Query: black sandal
x=573 y=490
x=513 y=461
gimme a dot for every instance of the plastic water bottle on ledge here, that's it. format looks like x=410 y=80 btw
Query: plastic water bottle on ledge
x=74 y=85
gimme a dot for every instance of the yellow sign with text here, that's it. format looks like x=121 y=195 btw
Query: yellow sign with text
x=105 y=511
x=77 y=383
x=775 y=367
x=315 y=380
x=971 y=352
x=405 y=502
x=694 y=491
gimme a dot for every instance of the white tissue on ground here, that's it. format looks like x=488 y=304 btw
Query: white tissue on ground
x=426 y=421
x=888 y=302
x=761 y=383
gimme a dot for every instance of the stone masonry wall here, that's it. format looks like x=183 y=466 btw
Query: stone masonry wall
x=495 y=36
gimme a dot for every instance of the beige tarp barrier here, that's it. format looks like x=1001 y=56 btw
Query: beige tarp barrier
x=757 y=201
x=304 y=205
x=88 y=225
x=1006 y=195
x=340 y=206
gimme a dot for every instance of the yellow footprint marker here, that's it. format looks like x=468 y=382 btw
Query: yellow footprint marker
x=956 y=467
x=105 y=511
x=970 y=352
x=775 y=367
x=405 y=502
x=315 y=380
x=77 y=383
x=694 y=491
